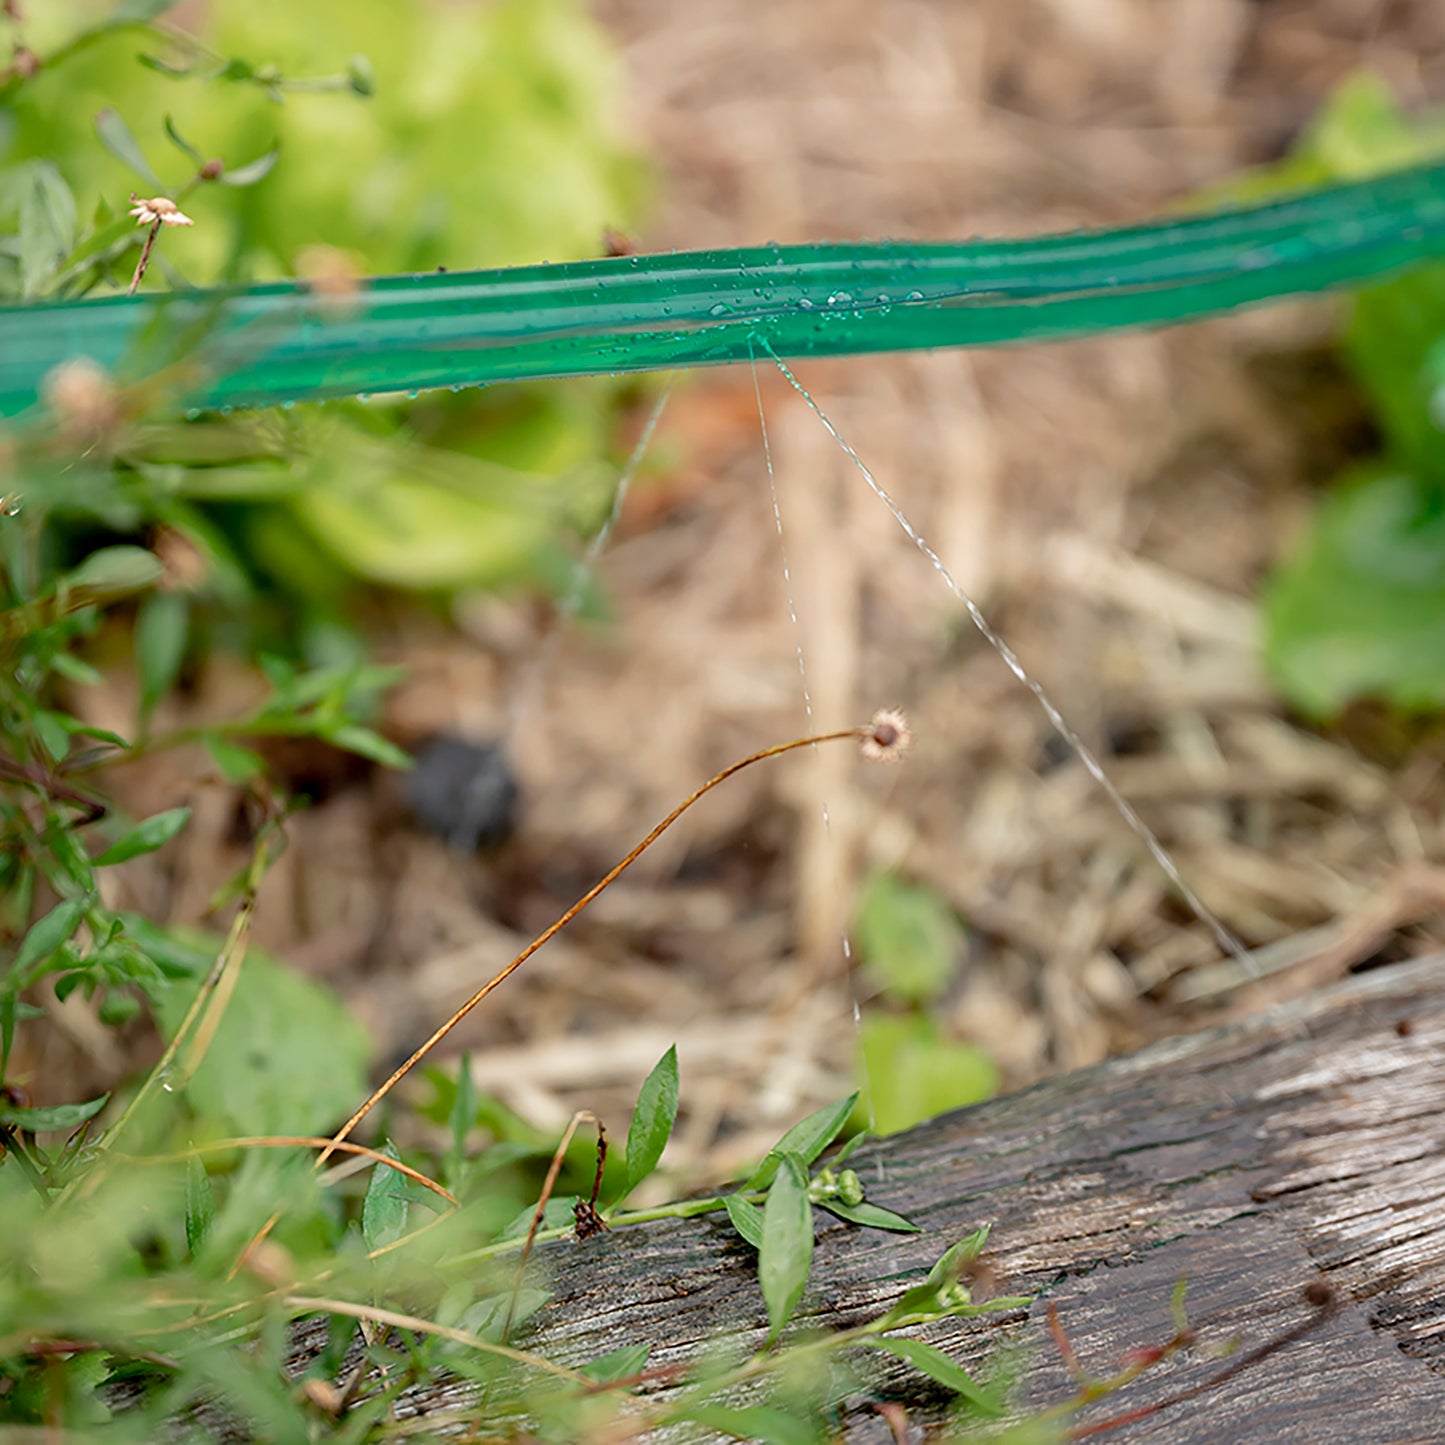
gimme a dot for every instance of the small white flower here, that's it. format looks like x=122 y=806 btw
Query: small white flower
x=158 y=208
x=887 y=737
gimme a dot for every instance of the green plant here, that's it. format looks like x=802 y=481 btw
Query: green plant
x=1356 y=612
x=165 y=1258
x=910 y=943
x=240 y=121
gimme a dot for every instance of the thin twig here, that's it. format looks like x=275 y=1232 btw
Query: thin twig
x=554 y=928
x=145 y=257
x=582 y=1116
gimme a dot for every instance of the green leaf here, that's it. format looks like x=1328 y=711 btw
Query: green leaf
x=67 y=982
x=47 y=225
x=181 y=143
x=909 y=938
x=912 y=1073
x=52 y=733
x=111 y=572
x=47 y=934
x=73 y=669
x=237 y=764
x=368 y=744
x=754 y=1422
x=1393 y=344
x=619 y=1364
x=115 y=136
x=1359 y=611
x=488 y=1316
x=944 y=1371
x=870 y=1216
x=58 y=1116
x=556 y=1214
x=464 y=1108
x=807 y=1139
x=161 y=628
x=264 y=1072
x=652 y=1120
x=155 y=832
x=385 y=1208
x=252 y=171
x=12 y=1011
x=786 y=1253
x=746 y=1218
x=200 y=1205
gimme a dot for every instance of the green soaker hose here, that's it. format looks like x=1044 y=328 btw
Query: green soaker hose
x=278 y=343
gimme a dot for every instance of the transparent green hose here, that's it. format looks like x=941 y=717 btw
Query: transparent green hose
x=279 y=343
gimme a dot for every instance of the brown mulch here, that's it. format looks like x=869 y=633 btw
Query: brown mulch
x=1113 y=504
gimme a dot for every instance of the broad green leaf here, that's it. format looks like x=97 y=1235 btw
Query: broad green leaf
x=807 y=1139
x=755 y=1422
x=264 y=1072
x=161 y=628
x=912 y=1073
x=47 y=933
x=385 y=1208
x=932 y=1362
x=1359 y=611
x=870 y=1216
x=746 y=1218
x=155 y=832
x=57 y=1116
x=909 y=938
x=618 y=1364
x=1393 y=343
x=47 y=225
x=115 y=136
x=652 y=1120
x=200 y=1205
x=786 y=1253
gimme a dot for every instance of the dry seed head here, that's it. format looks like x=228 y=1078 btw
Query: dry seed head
x=333 y=275
x=157 y=209
x=83 y=398
x=887 y=737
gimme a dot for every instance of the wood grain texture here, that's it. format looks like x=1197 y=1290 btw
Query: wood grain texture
x=1302 y=1146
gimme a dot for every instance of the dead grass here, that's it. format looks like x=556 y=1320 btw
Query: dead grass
x=1113 y=504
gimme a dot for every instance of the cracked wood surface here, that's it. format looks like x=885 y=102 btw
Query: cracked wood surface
x=1300 y=1147
x=1305 y=1145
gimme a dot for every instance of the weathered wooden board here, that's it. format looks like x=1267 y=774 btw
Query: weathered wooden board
x=1303 y=1146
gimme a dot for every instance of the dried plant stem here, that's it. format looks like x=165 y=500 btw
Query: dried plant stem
x=393 y=1320
x=582 y=1116
x=212 y=996
x=299 y=1141
x=145 y=257
x=855 y=734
